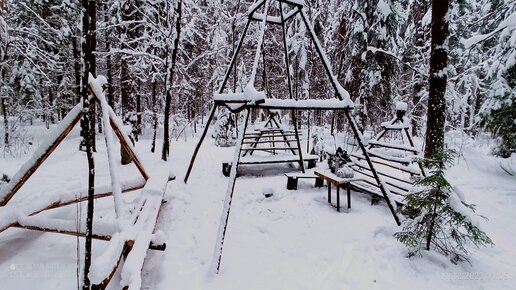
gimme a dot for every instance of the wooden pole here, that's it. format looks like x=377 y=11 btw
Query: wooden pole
x=28 y=173
x=229 y=197
x=198 y=146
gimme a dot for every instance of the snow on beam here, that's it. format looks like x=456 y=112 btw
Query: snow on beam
x=40 y=202
x=332 y=104
x=274 y=19
x=46 y=148
x=144 y=227
x=133 y=240
x=270 y=19
x=298 y=3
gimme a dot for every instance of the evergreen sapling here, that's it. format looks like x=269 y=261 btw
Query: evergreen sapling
x=437 y=218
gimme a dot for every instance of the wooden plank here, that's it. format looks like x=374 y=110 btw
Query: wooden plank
x=394 y=191
x=393 y=146
x=363 y=166
x=301 y=175
x=247 y=137
x=375 y=191
x=273 y=161
x=390 y=158
x=269 y=148
x=72 y=201
x=103 y=285
x=395 y=166
x=269 y=141
x=387 y=181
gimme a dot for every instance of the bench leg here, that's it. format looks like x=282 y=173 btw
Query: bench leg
x=226 y=169
x=338 y=197
x=329 y=192
x=349 y=195
x=291 y=183
x=319 y=182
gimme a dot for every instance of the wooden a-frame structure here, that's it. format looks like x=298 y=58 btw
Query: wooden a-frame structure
x=251 y=99
x=397 y=162
x=146 y=210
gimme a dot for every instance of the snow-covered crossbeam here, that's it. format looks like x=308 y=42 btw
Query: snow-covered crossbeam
x=137 y=237
x=38 y=202
x=274 y=19
x=332 y=104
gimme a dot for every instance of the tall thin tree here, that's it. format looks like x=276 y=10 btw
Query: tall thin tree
x=87 y=57
x=438 y=77
x=169 y=82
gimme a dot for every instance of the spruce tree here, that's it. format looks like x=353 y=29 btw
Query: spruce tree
x=437 y=218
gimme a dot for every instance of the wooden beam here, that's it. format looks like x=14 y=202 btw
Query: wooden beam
x=40 y=159
x=62 y=203
x=129 y=148
x=103 y=285
x=198 y=146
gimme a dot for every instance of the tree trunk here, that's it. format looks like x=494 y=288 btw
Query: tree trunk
x=170 y=78
x=110 y=95
x=77 y=69
x=438 y=60
x=6 y=122
x=88 y=14
x=92 y=65
x=419 y=11
x=154 y=118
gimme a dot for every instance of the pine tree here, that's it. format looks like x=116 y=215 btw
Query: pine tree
x=437 y=218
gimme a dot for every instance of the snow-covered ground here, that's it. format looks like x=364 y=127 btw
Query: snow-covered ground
x=292 y=240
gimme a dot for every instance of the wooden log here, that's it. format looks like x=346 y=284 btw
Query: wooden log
x=62 y=203
x=229 y=197
x=103 y=285
x=198 y=146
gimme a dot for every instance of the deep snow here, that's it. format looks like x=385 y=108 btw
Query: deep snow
x=293 y=240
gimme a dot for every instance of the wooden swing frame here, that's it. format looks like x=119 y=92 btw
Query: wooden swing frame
x=26 y=172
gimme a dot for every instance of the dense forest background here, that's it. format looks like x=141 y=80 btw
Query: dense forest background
x=153 y=49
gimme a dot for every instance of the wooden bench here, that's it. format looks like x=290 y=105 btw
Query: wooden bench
x=293 y=178
x=338 y=182
x=310 y=159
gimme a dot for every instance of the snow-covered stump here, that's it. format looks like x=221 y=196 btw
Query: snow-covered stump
x=133 y=241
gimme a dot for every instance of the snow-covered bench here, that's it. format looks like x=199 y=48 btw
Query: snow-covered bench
x=278 y=158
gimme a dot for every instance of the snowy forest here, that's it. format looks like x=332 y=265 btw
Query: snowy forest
x=405 y=107
x=380 y=51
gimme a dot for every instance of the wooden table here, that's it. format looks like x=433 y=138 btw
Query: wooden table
x=338 y=182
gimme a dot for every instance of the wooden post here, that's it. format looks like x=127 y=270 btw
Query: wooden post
x=198 y=146
x=338 y=197
x=329 y=192
x=229 y=197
